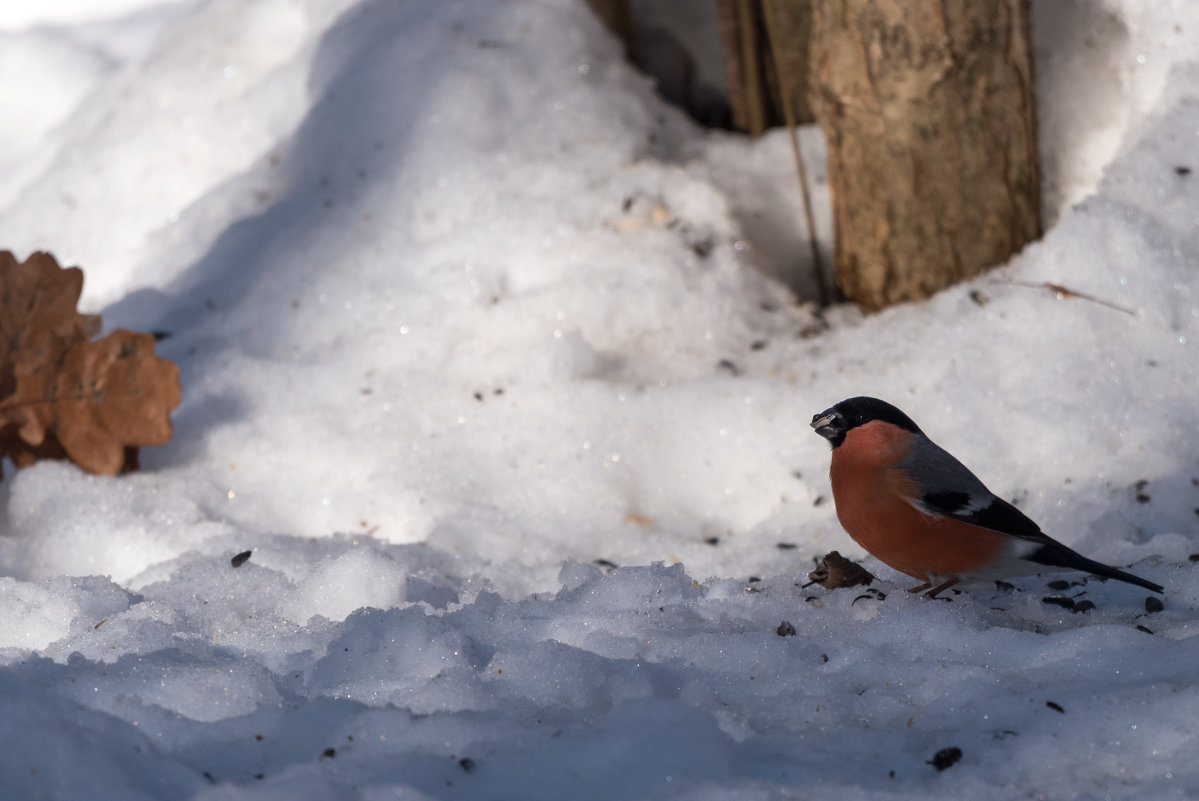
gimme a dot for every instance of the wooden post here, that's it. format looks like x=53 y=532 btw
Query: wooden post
x=930 y=118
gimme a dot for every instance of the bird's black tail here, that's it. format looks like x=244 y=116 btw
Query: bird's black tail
x=1058 y=555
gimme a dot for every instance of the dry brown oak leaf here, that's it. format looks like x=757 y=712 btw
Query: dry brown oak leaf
x=61 y=393
x=37 y=301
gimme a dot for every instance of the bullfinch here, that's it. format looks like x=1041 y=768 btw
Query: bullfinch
x=918 y=509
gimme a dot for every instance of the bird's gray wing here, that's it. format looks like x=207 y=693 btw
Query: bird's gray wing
x=949 y=489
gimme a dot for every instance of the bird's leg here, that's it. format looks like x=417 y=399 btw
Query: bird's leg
x=940 y=587
x=920 y=588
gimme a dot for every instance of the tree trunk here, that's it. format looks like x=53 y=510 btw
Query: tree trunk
x=929 y=114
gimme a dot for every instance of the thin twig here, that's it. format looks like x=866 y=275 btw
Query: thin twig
x=1065 y=292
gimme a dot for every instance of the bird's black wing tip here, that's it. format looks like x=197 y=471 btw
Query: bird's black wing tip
x=1054 y=554
x=1128 y=578
x=1149 y=585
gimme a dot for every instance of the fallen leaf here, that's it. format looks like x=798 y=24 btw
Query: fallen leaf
x=97 y=398
x=37 y=301
x=64 y=395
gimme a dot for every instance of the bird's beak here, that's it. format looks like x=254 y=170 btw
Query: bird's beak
x=830 y=425
x=823 y=419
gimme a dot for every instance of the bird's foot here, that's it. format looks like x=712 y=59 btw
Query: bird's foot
x=932 y=593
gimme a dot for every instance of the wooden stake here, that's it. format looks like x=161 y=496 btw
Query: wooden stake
x=792 y=127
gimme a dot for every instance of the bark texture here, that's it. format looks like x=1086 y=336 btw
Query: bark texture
x=929 y=113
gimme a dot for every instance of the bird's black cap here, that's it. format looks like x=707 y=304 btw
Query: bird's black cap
x=837 y=421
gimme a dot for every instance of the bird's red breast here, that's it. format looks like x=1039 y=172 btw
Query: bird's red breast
x=873 y=498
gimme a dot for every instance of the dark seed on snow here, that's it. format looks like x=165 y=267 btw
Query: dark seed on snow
x=728 y=366
x=945 y=758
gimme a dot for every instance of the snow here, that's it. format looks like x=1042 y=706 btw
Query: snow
x=489 y=359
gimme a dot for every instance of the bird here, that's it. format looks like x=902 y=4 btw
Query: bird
x=916 y=508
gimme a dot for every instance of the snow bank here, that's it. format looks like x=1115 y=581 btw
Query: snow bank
x=486 y=364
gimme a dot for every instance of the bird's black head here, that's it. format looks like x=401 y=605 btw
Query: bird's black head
x=833 y=424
